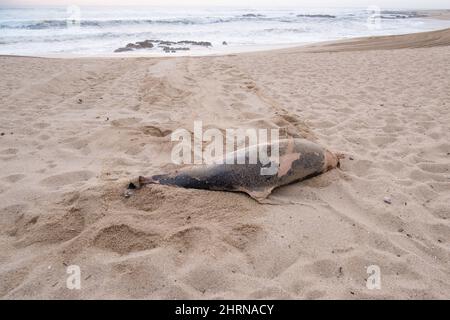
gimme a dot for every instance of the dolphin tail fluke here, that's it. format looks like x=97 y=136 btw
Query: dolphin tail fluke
x=146 y=180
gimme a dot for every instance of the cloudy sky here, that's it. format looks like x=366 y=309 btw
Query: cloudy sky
x=244 y=3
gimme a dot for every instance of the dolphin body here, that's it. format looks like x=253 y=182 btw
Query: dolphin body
x=298 y=159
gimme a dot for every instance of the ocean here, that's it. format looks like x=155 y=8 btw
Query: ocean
x=101 y=31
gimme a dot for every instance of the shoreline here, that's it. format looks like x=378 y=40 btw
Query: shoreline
x=370 y=42
x=436 y=14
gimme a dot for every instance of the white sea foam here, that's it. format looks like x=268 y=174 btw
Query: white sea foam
x=27 y=31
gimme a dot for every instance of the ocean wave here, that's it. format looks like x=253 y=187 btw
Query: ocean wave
x=211 y=18
x=73 y=37
x=284 y=30
x=391 y=14
x=59 y=24
x=63 y=23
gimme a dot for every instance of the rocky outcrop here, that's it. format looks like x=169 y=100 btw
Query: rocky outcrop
x=166 y=46
x=196 y=43
x=327 y=16
x=147 y=44
x=124 y=49
x=252 y=15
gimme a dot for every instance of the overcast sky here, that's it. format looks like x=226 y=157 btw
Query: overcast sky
x=243 y=3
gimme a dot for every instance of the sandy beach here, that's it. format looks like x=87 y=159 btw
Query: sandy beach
x=75 y=132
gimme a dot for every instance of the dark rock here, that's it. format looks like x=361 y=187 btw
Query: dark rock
x=123 y=50
x=252 y=15
x=132 y=46
x=392 y=14
x=145 y=44
x=224 y=43
x=167 y=46
x=196 y=43
x=328 y=16
x=166 y=43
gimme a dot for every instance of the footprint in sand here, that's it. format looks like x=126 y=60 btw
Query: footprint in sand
x=44 y=137
x=439 y=207
x=47 y=229
x=13 y=178
x=155 y=131
x=241 y=236
x=9 y=151
x=124 y=239
x=12 y=278
x=10 y=214
x=188 y=238
x=41 y=125
x=66 y=178
x=435 y=167
x=315 y=294
x=125 y=122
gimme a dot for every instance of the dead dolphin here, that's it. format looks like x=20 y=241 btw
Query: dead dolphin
x=298 y=159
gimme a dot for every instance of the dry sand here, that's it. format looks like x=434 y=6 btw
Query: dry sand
x=75 y=131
